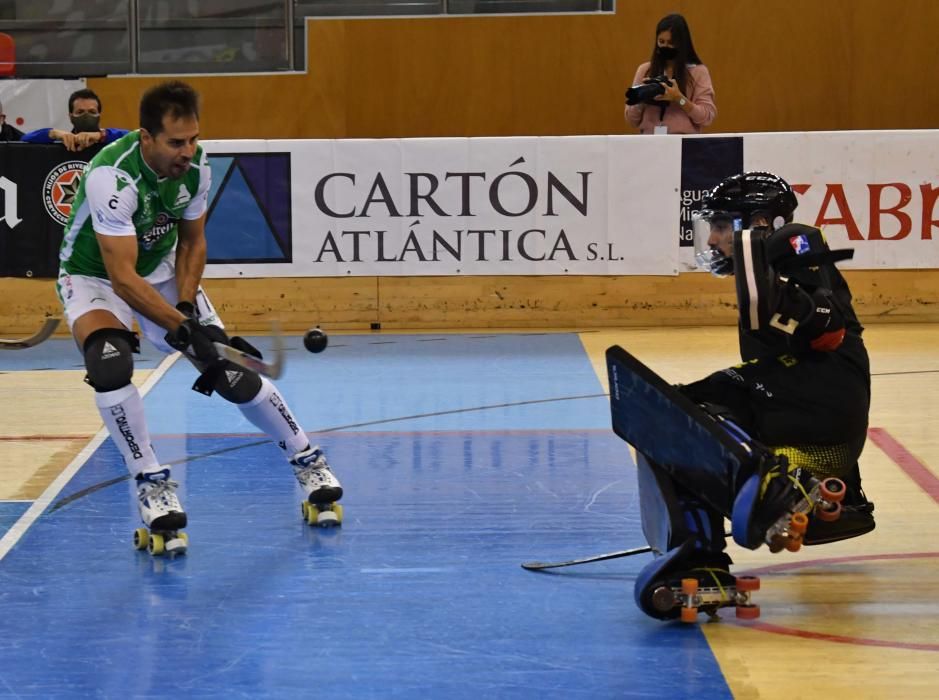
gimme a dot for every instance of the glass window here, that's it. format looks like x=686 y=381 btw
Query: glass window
x=68 y=38
x=212 y=36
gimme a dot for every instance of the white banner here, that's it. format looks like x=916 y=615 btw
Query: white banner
x=38 y=104
x=482 y=206
x=598 y=205
x=875 y=192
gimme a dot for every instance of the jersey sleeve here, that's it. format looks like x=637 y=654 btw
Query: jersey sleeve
x=112 y=201
x=197 y=207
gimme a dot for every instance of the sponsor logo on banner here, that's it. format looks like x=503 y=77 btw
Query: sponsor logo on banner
x=60 y=189
x=704 y=163
x=458 y=217
x=892 y=211
x=8 y=190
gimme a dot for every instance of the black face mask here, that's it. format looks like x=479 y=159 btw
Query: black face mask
x=85 y=122
x=666 y=53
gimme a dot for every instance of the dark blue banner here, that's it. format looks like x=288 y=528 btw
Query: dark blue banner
x=704 y=163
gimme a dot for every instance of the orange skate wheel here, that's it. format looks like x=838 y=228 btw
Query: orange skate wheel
x=799 y=523
x=748 y=612
x=829 y=514
x=794 y=544
x=689 y=586
x=748 y=583
x=832 y=490
x=689 y=614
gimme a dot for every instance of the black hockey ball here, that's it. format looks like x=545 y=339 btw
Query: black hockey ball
x=315 y=340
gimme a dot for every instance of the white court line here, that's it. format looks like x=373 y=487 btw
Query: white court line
x=13 y=535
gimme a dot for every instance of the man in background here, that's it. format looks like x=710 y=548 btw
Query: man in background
x=84 y=108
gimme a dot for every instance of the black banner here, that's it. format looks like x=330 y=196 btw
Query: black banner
x=704 y=163
x=38 y=184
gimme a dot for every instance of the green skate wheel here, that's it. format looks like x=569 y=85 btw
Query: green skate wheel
x=157 y=545
x=141 y=538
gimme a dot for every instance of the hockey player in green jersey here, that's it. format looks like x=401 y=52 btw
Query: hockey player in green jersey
x=135 y=247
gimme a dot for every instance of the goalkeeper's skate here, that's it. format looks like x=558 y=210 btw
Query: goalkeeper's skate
x=321 y=487
x=687 y=581
x=162 y=514
x=774 y=507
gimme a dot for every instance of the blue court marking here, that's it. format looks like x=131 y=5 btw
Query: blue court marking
x=419 y=594
x=377 y=377
x=62 y=353
x=10 y=512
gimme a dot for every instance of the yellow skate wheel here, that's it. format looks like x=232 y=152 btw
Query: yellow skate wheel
x=312 y=512
x=141 y=538
x=157 y=545
x=337 y=509
x=184 y=537
x=304 y=510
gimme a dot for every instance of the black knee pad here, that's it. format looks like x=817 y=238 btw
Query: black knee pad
x=237 y=384
x=109 y=358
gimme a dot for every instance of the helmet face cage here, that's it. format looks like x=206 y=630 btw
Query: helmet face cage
x=713 y=233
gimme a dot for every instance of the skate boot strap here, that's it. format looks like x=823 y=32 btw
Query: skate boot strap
x=713 y=574
x=775 y=473
x=310 y=457
x=153 y=477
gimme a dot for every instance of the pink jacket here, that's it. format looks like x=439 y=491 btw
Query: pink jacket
x=700 y=93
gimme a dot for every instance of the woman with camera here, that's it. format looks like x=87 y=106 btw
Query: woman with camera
x=672 y=92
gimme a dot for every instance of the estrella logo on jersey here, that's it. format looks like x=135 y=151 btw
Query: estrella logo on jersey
x=800 y=244
x=60 y=189
x=163 y=225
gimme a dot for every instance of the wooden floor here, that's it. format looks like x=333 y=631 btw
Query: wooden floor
x=867 y=604
x=877 y=616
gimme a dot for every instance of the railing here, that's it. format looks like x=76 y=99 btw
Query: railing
x=74 y=38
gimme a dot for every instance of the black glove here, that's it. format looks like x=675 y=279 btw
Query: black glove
x=187 y=308
x=197 y=340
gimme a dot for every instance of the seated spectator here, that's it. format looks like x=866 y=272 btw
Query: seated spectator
x=8 y=132
x=84 y=108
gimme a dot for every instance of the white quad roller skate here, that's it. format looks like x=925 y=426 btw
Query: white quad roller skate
x=162 y=513
x=321 y=487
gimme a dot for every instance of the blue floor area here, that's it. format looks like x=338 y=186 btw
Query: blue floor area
x=10 y=512
x=419 y=594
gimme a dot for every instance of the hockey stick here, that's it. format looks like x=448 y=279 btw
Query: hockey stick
x=542 y=565
x=48 y=328
x=271 y=369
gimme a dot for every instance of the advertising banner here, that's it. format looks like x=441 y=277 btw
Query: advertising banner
x=501 y=206
x=875 y=192
x=37 y=186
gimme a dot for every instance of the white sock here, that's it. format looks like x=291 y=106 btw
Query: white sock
x=122 y=413
x=271 y=414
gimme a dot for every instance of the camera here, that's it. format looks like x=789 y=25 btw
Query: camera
x=647 y=91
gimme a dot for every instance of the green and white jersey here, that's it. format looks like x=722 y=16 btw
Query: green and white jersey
x=120 y=195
